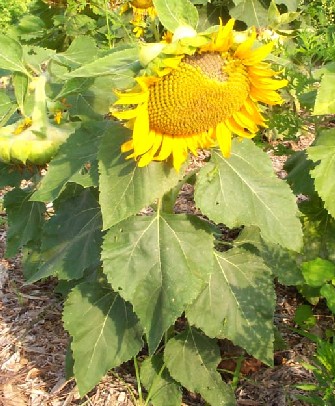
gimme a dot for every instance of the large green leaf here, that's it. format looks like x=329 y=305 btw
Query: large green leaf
x=281 y=261
x=124 y=187
x=192 y=359
x=117 y=63
x=252 y=12
x=158 y=263
x=80 y=149
x=25 y=219
x=162 y=389
x=175 y=13
x=243 y=190
x=71 y=239
x=325 y=99
x=82 y=50
x=11 y=55
x=238 y=303
x=105 y=332
x=324 y=173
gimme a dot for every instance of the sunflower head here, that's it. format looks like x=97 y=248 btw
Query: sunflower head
x=202 y=90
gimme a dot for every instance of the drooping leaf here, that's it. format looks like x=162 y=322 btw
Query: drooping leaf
x=80 y=149
x=20 y=82
x=175 y=13
x=162 y=389
x=104 y=330
x=252 y=12
x=71 y=239
x=243 y=190
x=192 y=359
x=318 y=271
x=155 y=263
x=298 y=167
x=25 y=219
x=323 y=153
x=11 y=55
x=125 y=188
x=238 y=303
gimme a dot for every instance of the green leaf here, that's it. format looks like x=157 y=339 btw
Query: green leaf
x=318 y=271
x=25 y=219
x=37 y=57
x=291 y=5
x=162 y=389
x=252 y=12
x=82 y=50
x=174 y=13
x=105 y=332
x=20 y=82
x=119 y=64
x=78 y=150
x=325 y=99
x=74 y=86
x=7 y=108
x=298 y=167
x=71 y=239
x=243 y=190
x=328 y=292
x=304 y=317
x=31 y=259
x=238 y=303
x=282 y=262
x=324 y=154
x=153 y=263
x=94 y=101
x=11 y=175
x=125 y=188
x=11 y=55
x=192 y=359
x=319 y=231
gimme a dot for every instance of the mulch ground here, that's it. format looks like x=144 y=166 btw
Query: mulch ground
x=33 y=345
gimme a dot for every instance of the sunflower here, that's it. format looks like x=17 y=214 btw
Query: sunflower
x=142 y=9
x=201 y=96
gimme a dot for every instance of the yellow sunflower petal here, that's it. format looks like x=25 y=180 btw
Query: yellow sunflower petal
x=131 y=98
x=255 y=56
x=223 y=135
x=179 y=152
x=143 y=138
x=244 y=48
x=166 y=148
x=199 y=99
x=148 y=157
x=236 y=129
